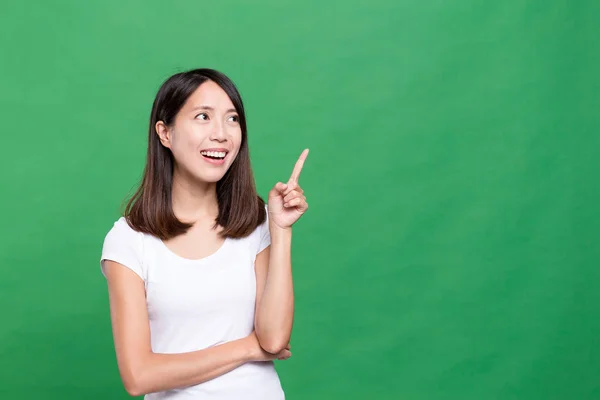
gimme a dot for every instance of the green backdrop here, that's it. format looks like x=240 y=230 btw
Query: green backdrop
x=451 y=249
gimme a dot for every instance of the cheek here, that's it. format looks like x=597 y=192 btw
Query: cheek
x=185 y=143
x=237 y=139
x=191 y=135
x=237 y=145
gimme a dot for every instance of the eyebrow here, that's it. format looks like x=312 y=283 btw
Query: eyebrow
x=209 y=108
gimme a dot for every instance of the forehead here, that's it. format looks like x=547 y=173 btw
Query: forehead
x=209 y=94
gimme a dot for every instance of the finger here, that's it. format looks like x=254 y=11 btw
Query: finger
x=298 y=202
x=281 y=187
x=292 y=195
x=284 y=355
x=298 y=167
x=292 y=185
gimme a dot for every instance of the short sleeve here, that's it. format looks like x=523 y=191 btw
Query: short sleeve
x=123 y=245
x=265 y=235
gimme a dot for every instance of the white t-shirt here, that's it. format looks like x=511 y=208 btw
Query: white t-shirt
x=196 y=304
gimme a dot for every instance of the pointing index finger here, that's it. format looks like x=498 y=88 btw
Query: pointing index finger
x=298 y=167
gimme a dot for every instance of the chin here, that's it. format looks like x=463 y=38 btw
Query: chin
x=210 y=177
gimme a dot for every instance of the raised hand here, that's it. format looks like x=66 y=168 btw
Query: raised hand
x=287 y=202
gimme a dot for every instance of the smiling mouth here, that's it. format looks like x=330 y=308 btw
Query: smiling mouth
x=214 y=155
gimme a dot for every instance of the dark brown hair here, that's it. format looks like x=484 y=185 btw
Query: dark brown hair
x=150 y=209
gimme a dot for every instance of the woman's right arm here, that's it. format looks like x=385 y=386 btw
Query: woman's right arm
x=143 y=371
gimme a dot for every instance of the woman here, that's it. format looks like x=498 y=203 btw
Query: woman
x=199 y=268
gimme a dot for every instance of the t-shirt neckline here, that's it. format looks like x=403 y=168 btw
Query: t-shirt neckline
x=194 y=260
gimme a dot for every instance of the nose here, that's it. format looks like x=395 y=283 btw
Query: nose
x=218 y=132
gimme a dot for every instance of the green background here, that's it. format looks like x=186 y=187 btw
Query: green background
x=451 y=249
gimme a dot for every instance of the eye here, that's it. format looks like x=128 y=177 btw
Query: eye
x=233 y=118
x=202 y=116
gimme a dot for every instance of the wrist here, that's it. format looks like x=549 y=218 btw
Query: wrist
x=275 y=229
x=280 y=236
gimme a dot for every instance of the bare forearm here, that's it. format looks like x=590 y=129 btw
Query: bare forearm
x=275 y=313
x=159 y=372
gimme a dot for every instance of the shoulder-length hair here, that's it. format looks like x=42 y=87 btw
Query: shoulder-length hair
x=150 y=209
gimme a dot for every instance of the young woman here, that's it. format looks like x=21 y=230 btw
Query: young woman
x=199 y=268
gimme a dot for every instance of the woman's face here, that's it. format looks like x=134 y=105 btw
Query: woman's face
x=206 y=135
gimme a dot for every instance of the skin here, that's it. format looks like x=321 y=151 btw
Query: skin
x=194 y=199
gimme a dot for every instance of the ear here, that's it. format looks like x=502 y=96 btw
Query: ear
x=164 y=134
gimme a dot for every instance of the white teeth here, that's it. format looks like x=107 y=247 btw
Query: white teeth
x=219 y=154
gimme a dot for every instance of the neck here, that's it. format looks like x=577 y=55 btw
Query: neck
x=194 y=200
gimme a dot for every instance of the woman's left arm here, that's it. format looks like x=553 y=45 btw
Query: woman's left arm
x=274 y=314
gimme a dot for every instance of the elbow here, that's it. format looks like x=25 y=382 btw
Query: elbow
x=273 y=338
x=134 y=391
x=133 y=388
x=133 y=384
x=274 y=345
